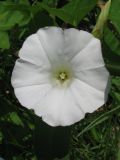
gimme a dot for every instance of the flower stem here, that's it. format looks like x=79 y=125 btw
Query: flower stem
x=51 y=142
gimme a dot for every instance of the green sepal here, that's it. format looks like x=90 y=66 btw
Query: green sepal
x=99 y=27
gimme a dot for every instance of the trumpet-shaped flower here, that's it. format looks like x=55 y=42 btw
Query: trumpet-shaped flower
x=61 y=75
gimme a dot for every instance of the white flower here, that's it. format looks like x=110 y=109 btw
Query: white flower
x=61 y=75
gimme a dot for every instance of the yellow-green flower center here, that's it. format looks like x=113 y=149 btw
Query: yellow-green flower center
x=62 y=76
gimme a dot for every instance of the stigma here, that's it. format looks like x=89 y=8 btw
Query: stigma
x=62 y=76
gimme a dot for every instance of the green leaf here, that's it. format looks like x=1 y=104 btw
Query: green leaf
x=6 y=106
x=116 y=82
x=40 y=20
x=1 y=137
x=4 y=40
x=115 y=14
x=112 y=60
x=99 y=120
x=118 y=153
x=36 y=8
x=117 y=95
x=50 y=2
x=111 y=41
x=23 y=1
x=65 y=158
x=73 y=12
x=12 y=14
x=16 y=119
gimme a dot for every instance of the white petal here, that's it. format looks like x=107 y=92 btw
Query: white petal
x=89 y=98
x=27 y=74
x=75 y=41
x=52 y=41
x=29 y=96
x=95 y=77
x=32 y=51
x=89 y=57
x=60 y=108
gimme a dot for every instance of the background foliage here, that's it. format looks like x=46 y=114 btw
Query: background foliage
x=98 y=135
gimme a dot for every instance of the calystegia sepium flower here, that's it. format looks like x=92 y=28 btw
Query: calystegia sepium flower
x=61 y=75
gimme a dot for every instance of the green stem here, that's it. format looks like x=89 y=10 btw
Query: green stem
x=51 y=142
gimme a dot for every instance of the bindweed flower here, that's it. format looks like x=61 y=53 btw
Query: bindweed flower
x=61 y=75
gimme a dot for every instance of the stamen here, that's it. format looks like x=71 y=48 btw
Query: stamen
x=63 y=76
